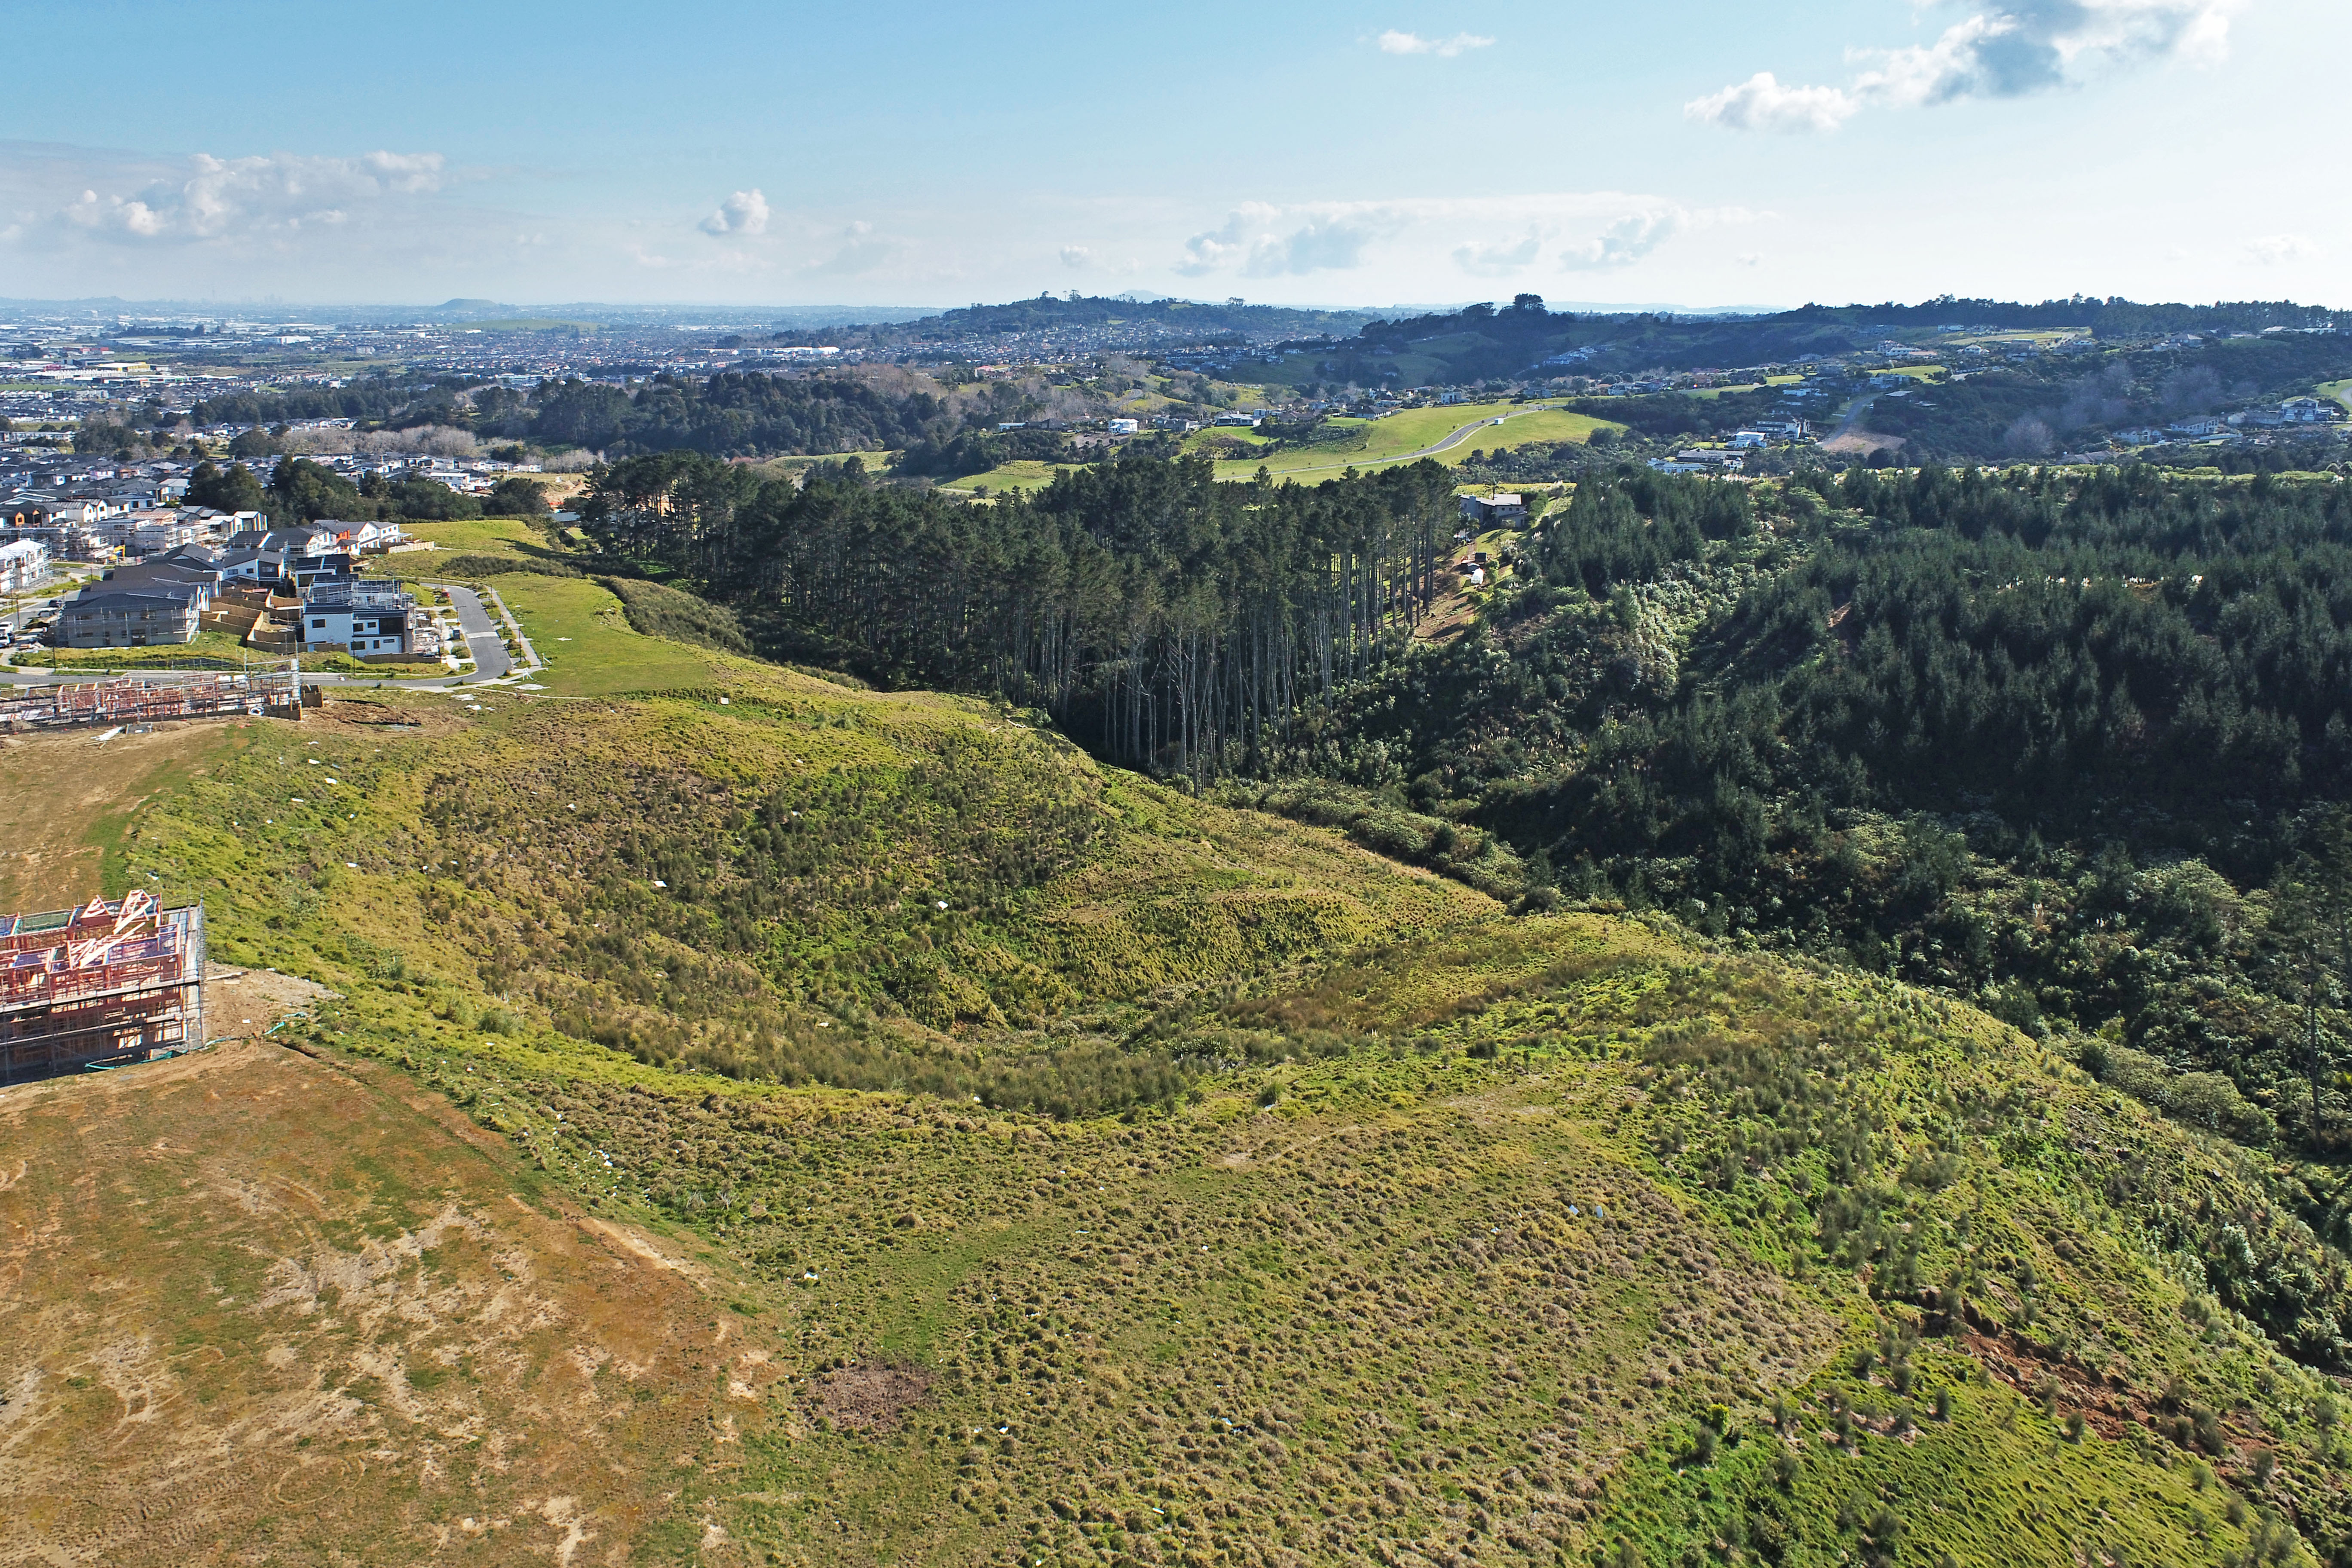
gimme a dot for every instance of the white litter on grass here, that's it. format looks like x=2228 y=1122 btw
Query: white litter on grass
x=352 y=864
x=659 y=883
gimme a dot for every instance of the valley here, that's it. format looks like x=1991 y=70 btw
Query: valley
x=763 y=1120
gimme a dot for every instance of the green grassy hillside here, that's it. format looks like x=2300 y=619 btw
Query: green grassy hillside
x=1094 y=1174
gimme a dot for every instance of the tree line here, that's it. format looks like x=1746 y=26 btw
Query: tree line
x=1167 y=620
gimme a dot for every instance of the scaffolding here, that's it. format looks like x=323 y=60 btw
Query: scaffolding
x=100 y=985
x=133 y=700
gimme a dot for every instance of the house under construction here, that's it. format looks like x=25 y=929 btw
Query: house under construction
x=132 y=700
x=99 y=985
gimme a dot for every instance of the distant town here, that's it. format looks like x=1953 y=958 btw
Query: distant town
x=144 y=462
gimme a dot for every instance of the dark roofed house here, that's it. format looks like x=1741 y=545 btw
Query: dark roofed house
x=141 y=615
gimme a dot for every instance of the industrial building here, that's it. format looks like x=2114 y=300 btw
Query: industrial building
x=100 y=985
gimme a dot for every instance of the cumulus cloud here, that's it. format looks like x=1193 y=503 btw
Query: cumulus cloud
x=1627 y=240
x=1075 y=256
x=744 y=211
x=1494 y=236
x=2006 y=51
x=219 y=198
x=1762 y=103
x=1496 y=258
x=1262 y=241
x=2271 y=249
x=1395 y=42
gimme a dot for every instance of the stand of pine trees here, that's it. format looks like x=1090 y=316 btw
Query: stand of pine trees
x=1168 y=621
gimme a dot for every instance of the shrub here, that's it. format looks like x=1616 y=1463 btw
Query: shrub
x=659 y=612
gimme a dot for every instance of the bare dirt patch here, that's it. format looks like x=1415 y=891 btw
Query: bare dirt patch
x=264 y=1308
x=871 y=1397
x=70 y=793
x=245 y=1004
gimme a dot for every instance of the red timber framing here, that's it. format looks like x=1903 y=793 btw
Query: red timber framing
x=130 y=700
x=100 y=984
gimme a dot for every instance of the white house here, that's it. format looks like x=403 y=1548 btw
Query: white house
x=365 y=616
x=1750 y=440
x=23 y=563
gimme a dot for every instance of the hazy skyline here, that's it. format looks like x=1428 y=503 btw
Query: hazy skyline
x=1705 y=153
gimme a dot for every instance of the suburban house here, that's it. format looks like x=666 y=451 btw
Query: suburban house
x=23 y=563
x=364 y=615
x=294 y=543
x=312 y=571
x=138 y=615
x=1490 y=511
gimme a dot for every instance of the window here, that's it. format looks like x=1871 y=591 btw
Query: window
x=318 y=626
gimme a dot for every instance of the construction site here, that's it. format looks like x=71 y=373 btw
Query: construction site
x=102 y=985
x=132 y=699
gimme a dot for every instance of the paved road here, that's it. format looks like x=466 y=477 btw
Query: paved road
x=1431 y=451
x=491 y=657
x=475 y=622
x=1854 y=413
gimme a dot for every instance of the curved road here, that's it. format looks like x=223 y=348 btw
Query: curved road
x=475 y=622
x=1430 y=451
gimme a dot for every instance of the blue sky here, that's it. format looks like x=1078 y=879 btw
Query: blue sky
x=1709 y=153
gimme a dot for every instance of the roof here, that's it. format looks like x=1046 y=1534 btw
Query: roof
x=179 y=595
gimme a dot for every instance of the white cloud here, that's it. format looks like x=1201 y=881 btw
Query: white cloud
x=1395 y=42
x=1484 y=236
x=2271 y=249
x=1761 y=103
x=1329 y=238
x=2006 y=51
x=1497 y=258
x=744 y=211
x=1075 y=256
x=222 y=198
x=1627 y=240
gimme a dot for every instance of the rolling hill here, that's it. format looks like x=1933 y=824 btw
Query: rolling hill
x=761 y=1120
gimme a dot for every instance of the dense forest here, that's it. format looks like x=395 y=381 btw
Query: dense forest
x=2077 y=746
x=1172 y=622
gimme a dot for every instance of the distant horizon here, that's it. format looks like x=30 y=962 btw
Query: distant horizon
x=856 y=314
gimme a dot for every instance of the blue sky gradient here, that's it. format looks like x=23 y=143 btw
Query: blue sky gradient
x=1707 y=152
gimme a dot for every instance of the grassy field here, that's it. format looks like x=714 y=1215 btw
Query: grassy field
x=479 y=536
x=1007 y=477
x=836 y=1127
x=578 y=630
x=1387 y=441
x=1710 y=393
x=2338 y=392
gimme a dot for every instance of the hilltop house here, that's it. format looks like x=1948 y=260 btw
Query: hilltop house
x=364 y=615
x=1492 y=510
